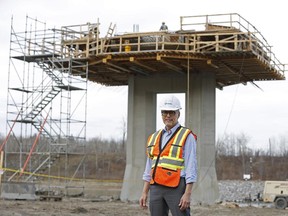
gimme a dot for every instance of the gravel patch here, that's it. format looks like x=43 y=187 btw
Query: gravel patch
x=239 y=191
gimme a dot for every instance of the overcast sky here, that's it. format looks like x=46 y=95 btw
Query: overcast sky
x=239 y=109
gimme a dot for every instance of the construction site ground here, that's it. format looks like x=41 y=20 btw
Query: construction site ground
x=76 y=206
x=103 y=199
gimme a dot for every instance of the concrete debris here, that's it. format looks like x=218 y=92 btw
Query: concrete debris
x=240 y=191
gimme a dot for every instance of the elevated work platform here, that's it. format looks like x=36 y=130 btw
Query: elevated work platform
x=226 y=45
x=231 y=48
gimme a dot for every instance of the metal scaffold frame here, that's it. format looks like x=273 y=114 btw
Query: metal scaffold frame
x=46 y=108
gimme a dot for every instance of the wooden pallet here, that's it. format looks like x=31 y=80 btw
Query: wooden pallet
x=50 y=197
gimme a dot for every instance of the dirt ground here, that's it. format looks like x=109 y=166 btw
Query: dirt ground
x=107 y=203
x=77 y=206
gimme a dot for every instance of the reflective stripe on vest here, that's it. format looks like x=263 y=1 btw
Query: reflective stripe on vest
x=151 y=143
x=174 y=159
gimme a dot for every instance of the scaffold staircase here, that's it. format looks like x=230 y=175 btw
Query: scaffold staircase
x=48 y=66
x=42 y=76
x=56 y=85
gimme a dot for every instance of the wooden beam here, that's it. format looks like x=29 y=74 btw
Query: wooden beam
x=132 y=59
x=209 y=62
x=115 y=66
x=171 y=66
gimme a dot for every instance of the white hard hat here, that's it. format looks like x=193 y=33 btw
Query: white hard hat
x=170 y=103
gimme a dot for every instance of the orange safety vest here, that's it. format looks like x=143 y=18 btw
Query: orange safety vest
x=167 y=162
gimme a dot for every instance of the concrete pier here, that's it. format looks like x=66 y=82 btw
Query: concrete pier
x=200 y=117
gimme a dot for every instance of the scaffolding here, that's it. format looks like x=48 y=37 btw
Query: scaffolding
x=46 y=106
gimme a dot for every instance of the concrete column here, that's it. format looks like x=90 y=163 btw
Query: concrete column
x=141 y=118
x=142 y=122
x=200 y=117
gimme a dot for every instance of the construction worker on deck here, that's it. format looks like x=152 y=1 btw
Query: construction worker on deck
x=163 y=27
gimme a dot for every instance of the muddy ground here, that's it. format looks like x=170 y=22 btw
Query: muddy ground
x=107 y=203
x=76 y=206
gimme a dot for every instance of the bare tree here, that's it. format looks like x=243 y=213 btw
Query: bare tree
x=233 y=145
x=283 y=148
x=124 y=131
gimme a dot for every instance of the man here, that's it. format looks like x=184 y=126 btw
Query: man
x=163 y=27
x=171 y=166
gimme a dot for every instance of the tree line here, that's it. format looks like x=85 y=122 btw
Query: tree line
x=105 y=158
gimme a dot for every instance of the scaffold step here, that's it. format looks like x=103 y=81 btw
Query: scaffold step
x=35 y=58
x=26 y=121
x=69 y=87
x=22 y=89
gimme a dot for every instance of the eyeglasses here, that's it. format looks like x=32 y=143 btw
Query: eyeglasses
x=166 y=112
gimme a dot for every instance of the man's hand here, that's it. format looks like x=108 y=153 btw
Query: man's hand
x=144 y=197
x=143 y=201
x=185 y=199
x=184 y=202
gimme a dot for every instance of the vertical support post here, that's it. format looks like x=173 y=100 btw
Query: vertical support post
x=1 y=166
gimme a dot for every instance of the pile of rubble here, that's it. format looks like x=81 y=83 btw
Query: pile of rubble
x=239 y=191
